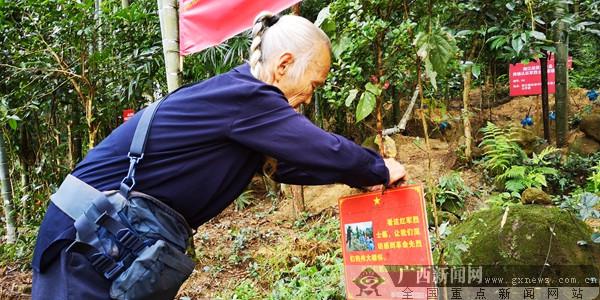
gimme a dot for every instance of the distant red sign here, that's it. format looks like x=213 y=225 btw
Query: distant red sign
x=525 y=79
x=386 y=244
x=127 y=114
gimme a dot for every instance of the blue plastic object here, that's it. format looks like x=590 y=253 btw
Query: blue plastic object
x=527 y=121
x=443 y=125
x=552 y=116
x=592 y=95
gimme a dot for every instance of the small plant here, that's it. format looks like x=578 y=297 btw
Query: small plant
x=574 y=172
x=240 y=238
x=323 y=280
x=245 y=290
x=517 y=178
x=586 y=206
x=500 y=151
x=593 y=185
x=452 y=188
x=504 y=199
x=243 y=200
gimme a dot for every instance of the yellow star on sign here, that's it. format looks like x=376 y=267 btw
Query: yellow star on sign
x=377 y=201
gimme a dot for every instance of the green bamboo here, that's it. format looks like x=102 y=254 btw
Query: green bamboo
x=7 y=203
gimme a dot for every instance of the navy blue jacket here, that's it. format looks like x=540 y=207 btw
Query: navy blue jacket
x=207 y=141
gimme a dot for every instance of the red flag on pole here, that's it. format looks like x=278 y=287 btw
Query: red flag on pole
x=205 y=23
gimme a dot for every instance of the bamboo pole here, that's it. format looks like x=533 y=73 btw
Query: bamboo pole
x=465 y=112
x=169 y=28
x=8 y=207
x=561 y=39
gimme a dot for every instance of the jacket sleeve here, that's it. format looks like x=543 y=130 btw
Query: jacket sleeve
x=291 y=174
x=267 y=124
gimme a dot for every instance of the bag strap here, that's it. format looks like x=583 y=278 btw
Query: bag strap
x=138 y=145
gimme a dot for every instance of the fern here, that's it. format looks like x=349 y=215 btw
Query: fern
x=500 y=151
x=243 y=200
x=594 y=180
x=533 y=174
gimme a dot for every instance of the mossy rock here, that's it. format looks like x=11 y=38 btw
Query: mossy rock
x=526 y=238
x=535 y=196
x=527 y=139
x=584 y=146
x=590 y=125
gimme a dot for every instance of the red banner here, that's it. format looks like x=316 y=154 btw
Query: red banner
x=525 y=79
x=205 y=23
x=386 y=248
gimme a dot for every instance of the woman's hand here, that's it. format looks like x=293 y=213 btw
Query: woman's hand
x=396 y=170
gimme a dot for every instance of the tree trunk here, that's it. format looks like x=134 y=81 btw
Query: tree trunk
x=561 y=39
x=9 y=210
x=545 y=109
x=169 y=28
x=298 y=200
x=124 y=3
x=465 y=111
x=297 y=190
x=75 y=136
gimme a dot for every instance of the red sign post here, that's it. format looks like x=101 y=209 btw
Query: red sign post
x=525 y=79
x=386 y=245
x=127 y=114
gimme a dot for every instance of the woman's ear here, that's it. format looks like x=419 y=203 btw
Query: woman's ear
x=283 y=65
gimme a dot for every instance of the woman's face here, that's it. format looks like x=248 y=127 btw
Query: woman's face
x=299 y=91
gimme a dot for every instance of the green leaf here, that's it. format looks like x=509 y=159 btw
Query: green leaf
x=476 y=70
x=12 y=123
x=365 y=106
x=517 y=44
x=375 y=90
x=510 y=6
x=322 y=16
x=538 y=35
x=341 y=46
x=514 y=186
x=463 y=33
x=351 y=97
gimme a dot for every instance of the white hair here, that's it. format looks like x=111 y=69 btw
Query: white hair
x=273 y=36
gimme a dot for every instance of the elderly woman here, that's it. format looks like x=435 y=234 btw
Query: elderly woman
x=205 y=143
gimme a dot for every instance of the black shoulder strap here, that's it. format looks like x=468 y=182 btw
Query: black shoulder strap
x=138 y=143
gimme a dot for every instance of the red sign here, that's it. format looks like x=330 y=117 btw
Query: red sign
x=386 y=245
x=206 y=23
x=127 y=114
x=526 y=79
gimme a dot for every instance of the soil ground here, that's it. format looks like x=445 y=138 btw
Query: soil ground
x=221 y=266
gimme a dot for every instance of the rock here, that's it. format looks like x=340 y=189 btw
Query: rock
x=373 y=143
x=590 y=125
x=527 y=139
x=389 y=146
x=535 y=196
x=524 y=239
x=584 y=146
